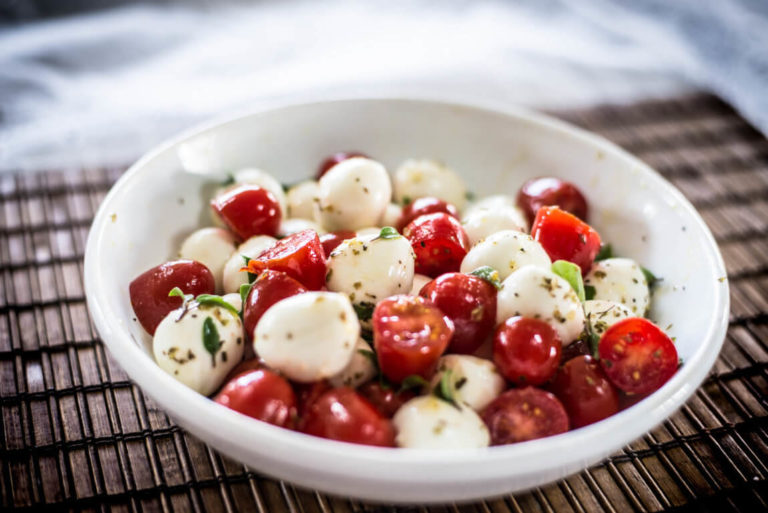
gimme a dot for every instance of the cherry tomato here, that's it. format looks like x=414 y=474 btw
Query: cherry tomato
x=637 y=356
x=422 y=207
x=248 y=210
x=387 y=400
x=526 y=351
x=628 y=400
x=247 y=365
x=409 y=334
x=149 y=291
x=566 y=237
x=547 y=192
x=332 y=239
x=468 y=301
x=299 y=255
x=578 y=347
x=585 y=391
x=260 y=394
x=439 y=241
x=521 y=414
x=308 y=393
x=334 y=159
x=268 y=288
x=342 y=414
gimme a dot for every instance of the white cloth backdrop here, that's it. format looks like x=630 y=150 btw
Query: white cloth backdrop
x=105 y=87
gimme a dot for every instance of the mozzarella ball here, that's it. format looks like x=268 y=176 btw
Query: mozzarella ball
x=392 y=215
x=419 y=178
x=490 y=203
x=234 y=299
x=179 y=348
x=506 y=251
x=481 y=223
x=263 y=179
x=297 y=224
x=427 y=422
x=301 y=199
x=541 y=294
x=476 y=381
x=359 y=370
x=370 y=230
x=211 y=247
x=253 y=247
x=368 y=269
x=353 y=194
x=419 y=280
x=308 y=337
x=620 y=280
x=601 y=314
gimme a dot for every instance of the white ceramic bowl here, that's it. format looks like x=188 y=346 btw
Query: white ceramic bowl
x=157 y=202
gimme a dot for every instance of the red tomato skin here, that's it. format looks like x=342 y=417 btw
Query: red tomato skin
x=299 y=255
x=308 y=393
x=628 y=400
x=548 y=192
x=470 y=302
x=248 y=210
x=343 y=414
x=149 y=291
x=522 y=414
x=424 y=206
x=334 y=159
x=409 y=335
x=526 y=351
x=439 y=242
x=386 y=400
x=637 y=356
x=578 y=347
x=260 y=394
x=268 y=288
x=331 y=240
x=585 y=391
x=566 y=237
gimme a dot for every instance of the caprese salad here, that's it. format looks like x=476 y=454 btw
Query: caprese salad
x=392 y=311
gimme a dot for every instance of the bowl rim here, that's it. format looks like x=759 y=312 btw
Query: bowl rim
x=578 y=445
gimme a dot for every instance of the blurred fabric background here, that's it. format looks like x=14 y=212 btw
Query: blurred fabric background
x=86 y=83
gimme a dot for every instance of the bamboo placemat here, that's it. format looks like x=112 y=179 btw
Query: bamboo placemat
x=75 y=434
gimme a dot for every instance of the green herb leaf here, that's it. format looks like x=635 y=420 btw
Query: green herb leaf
x=245 y=289
x=446 y=390
x=407 y=200
x=211 y=300
x=411 y=382
x=229 y=180
x=489 y=274
x=388 y=233
x=371 y=356
x=589 y=292
x=650 y=277
x=572 y=274
x=606 y=251
x=211 y=340
x=364 y=310
x=470 y=196
x=592 y=338
x=177 y=292
x=251 y=276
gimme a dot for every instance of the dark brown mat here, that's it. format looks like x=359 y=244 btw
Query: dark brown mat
x=76 y=434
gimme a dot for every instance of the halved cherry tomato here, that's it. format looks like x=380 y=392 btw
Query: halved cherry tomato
x=260 y=394
x=521 y=414
x=637 y=356
x=343 y=414
x=470 y=302
x=268 y=288
x=299 y=255
x=439 y=241
x=149 y=291
x=332 y=239
x=248 y=210
x=566 y=237
x=585 y=391
x=334 y=159
x=422 y=207
x=526 y=351
x=550 y=191
x=409 y=334
x=385 y=399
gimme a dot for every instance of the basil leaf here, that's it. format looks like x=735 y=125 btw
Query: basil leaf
x=177 y=292
x=589 y=292
x=388 y=233
x=445 y=389
x=245 y=289
x=572 y=274
x=211 y=300
x=592 y=338
x=251 y=276
x=407 y=200
x=229 y=180
x=488 y=274
x=364 y=310
x=650 y=277
x=606 y=251
x=371 y=356
x=211 y=340
x=413 y=381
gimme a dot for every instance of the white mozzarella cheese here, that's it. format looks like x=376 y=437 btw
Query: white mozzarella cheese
x=309 y=336
x=419 y=178
x=476 y=381
x=211 y=247
x=297 y=224
x=506 y=251
x=301 y=199
x=419 y=280
x=234 y=299
x=253 y=247
x=482 y=223
x=427 y=422
x=359 y=370
x=370 y=230
x=601 y=314
x=541 y=294
x=391 y=215
x=620 y=280
x=265 y=180
x=490 y=203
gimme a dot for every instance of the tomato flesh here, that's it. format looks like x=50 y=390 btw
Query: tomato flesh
x=299 y=255
x=470 y=302
x=343 y=414
x=385 y=399
x=334 y=159
x=439 y=242
x=248 y=210
x=424 y=206
x=566 y=237
x=585 y=391
x=260 y=394
x=409 y=334
x=149 y=291
x=550 y=191
x=526 y=351
x=522 y=414
x=637 y=356
x=268 y=288
x=331 y=240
